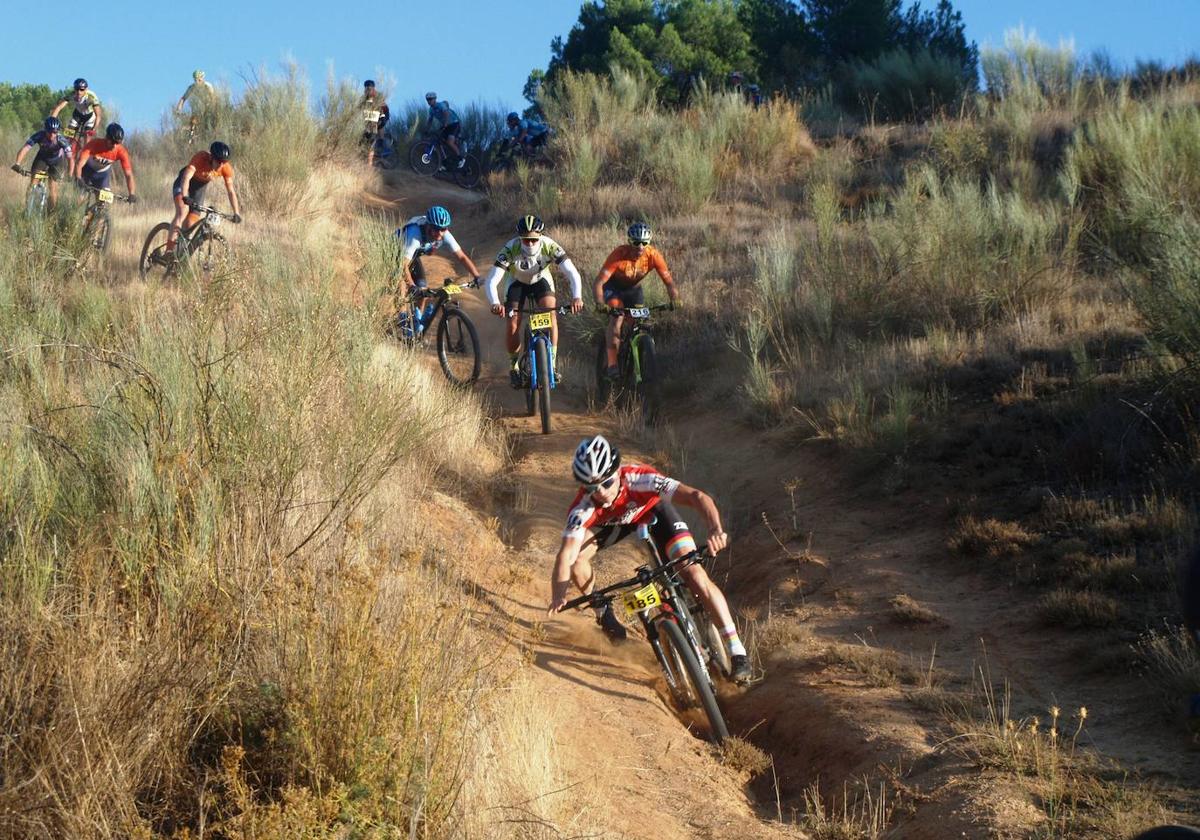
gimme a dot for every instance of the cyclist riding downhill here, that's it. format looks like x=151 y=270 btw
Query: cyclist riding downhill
x=444 y=123
x=95 y=164
x=193 y=180
x=613 y=501
x=618 y=283
x=375 y=116
x=201 y=97
x=419 y=237
x=53 y=154
x=86 y=111
x=529 y=134
x=526 y=262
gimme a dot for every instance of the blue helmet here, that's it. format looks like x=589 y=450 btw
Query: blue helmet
x=438 y=216
x=514 y=117
x=52 y=124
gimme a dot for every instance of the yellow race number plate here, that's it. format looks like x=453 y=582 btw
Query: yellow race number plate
x=106 y=196
x=540 y=321
x=642 y=600
x=69 y=132
x=452 y=289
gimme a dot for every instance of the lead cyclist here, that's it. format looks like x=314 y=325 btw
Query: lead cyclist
x=611 y=503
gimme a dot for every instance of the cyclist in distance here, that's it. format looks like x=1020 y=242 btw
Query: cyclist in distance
x=445 y=123
x=53 y=154
x=94 y=167
x=531 y=134
x=611 y=503
x=372 y=101
x=617 y=284
x=526 y=262
x=421 y=236
x=86 y=113
x=192 y=182
x=200 y=94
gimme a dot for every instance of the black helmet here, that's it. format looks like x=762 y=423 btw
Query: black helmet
x=369 y=83
x=530 y=225
x=52 y=124
x=115 y=133
x=220 y=151
x=80 y=84
x=514 y=117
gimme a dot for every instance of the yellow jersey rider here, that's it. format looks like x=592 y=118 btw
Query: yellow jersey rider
x=86 y=113
x=526 y=262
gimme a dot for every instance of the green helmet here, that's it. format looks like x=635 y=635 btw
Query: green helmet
x=198 y=75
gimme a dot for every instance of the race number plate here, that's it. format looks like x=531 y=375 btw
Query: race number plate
x=371 y=116
x=640 y=312
x=540 y=321
x=105 y=195
x=214 y=220
x=69 y=133
x=642 y=600
x=452 y=289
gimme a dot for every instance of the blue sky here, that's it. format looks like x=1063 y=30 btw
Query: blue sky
x=466 y=50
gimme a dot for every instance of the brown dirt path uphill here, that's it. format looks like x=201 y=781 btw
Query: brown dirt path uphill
x=639 y=770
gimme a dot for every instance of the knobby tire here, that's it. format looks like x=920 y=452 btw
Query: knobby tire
x=647 y=389
x=603 y=385
x=467 y=176
x=458 y=345
x=691 y=686
x=419 y=150
x=542 y=360
x=156 y=240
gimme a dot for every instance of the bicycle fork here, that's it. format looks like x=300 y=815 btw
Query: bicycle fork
x=534 y=373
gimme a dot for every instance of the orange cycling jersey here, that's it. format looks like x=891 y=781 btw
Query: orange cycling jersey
x=629 y=268
x=104 y=153
x=205 y=171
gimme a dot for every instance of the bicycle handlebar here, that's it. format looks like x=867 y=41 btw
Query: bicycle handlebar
x=561 y=310
x=97 y=190
x=207 y=210
x=644 y=576
x=617 y=311
x=419 y=292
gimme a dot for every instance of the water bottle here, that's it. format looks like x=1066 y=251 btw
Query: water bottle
x=428 y=312
x=418 y=319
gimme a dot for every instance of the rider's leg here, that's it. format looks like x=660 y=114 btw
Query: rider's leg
x=612 y=331
x=548 y=302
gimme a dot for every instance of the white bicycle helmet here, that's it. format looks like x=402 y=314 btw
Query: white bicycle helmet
x=595 y=460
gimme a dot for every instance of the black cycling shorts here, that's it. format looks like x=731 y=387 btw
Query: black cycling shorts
x=450 y=130
x=666 y=527
x=627 y=296
x=519 y=292
x=98 y=178
x=195 y=188
x=55 y=166
x=84 y=122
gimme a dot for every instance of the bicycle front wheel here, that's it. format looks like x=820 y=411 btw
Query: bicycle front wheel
x=647 y=378
x=603 y=383
x=686 y=678
x=467 y=175
x=458 y=347
x=423 y=157
x=210 y=256
x=542 y=357
x=95 y=240
x=156 y=259
x=35 y=200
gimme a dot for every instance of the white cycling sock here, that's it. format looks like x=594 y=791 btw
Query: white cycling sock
x=730 y=635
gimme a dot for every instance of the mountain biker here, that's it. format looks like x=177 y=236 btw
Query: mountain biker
x=94 y=167
x=199 y=92
x=86 y=113
x=526 y=262
x=53 y=154
x=372 y=102
x=421 y=236
x=617 y=284
x=445 y=123
x=611 y=503
x=193 y=180
x=531 y=134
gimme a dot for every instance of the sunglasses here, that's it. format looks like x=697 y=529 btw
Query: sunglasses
x=531 y=240
x=602 y=485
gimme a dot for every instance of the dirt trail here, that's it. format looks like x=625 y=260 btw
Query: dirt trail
x=839 y=552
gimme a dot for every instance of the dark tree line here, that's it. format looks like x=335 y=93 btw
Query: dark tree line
x=854 y=45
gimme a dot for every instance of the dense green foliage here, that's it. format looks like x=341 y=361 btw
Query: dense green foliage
x=24 y=106
x=779 y=44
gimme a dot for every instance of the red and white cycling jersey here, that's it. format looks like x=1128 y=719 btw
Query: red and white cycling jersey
x=641 y=489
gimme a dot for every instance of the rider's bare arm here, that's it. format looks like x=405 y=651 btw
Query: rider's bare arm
x=703 y=504
x=233 y=199
x=560 y=576
x=467 y=263
x=58 y=107
x=598 y=286
x=83 y=158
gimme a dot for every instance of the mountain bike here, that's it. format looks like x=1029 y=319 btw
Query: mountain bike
x=503 y=155
x=37 y=193
x=537 y=372
x=201 y=247
x=637 y=360
x=430 y=155
x=457 y=340
x=386 y=156
x=655 y=595
x=96 y=225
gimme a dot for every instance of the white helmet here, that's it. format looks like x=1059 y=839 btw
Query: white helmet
x=595 y=460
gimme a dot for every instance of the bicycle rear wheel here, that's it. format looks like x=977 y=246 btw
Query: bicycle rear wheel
x=423 y=157
x=156 y=260
x=542 y=357
x=687 y=680
x=467 y=175
x=458 y=347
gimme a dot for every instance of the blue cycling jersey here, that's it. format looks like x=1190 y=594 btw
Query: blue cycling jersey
x=532 y=128
x=49 y=149
x=442 y=113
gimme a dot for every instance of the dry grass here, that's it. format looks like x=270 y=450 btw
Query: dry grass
x=1078 y=609
x=862 y=812
x=991 y=538
x=1172 y=658
x=881 y=667
x=906 y=610
x=740 y=755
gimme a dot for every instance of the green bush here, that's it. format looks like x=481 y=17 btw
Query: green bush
x=902 y=85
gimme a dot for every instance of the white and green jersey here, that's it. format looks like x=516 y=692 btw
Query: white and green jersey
x=513 y=263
